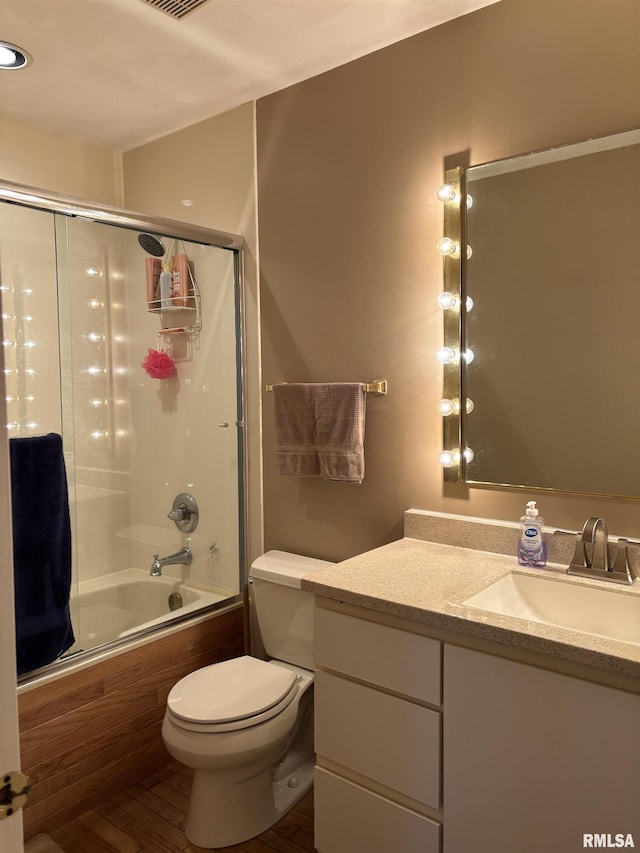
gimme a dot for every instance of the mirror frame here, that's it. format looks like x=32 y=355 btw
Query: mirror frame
x=452 y=355
x=455 y=451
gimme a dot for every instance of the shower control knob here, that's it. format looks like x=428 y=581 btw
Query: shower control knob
x=184 y=513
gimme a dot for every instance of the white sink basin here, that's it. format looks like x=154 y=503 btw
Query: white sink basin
x=541 y=598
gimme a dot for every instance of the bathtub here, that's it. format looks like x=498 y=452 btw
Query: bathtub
x=124 y=603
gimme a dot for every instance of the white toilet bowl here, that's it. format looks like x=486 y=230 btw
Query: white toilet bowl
x=246 y=728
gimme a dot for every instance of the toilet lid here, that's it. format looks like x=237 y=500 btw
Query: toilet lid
x=232 y=690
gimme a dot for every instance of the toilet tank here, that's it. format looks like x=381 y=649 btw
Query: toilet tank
x=284 y=611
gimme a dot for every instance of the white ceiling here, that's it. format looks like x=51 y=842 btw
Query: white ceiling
x=120 y=72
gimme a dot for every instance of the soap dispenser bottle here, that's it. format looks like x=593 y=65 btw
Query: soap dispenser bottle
x=532 y=549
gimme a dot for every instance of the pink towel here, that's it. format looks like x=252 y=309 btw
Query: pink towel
x=320 y=430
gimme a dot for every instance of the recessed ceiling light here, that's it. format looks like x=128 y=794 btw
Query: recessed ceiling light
x=12 y=57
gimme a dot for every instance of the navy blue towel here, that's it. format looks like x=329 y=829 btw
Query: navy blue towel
x=41 y=550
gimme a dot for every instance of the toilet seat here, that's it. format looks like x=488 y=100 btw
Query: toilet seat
x=231 y=695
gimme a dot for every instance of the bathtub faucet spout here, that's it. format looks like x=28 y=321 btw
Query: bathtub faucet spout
x=181 y=557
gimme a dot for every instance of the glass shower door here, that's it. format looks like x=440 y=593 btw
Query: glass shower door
x=31 y=334
x=139 y=441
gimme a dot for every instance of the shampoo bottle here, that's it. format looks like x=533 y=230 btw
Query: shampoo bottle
x=532 y=549
x=180 y=280
x=153 y=269
x=165 y=286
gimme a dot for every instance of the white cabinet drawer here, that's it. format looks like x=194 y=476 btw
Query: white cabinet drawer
x=379 y=654
x=382 y=737
x=350 y=819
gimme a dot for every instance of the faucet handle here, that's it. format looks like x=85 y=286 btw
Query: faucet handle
x=621 y=569
x=184 y=513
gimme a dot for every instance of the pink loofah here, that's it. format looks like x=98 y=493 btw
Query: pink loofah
x=158 y=365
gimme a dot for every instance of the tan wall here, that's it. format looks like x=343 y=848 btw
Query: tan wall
x=348 y=164
x=212 y=164
x=41 y=158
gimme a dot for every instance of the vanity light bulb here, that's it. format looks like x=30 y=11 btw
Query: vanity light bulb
x=468 y=454
x=469 y=405
x=446 y=355
x=447 y=246
x=449 y=458
x=469 y=201
x=446 y=193
x=448 y=407
x=469 y=304
x=446 y=300
x=469 y=252
x=469 y=356
x=94 y=303
x=94 y=337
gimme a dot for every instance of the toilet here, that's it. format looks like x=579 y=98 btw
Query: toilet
x=245 y=725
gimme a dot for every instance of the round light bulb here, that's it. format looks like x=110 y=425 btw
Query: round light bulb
x=469 y=304
x=468 y=454
x=446 y=193
x=447 y=246
x=469 y=252
x=449 y=458
x=446 y=355
x=13 y=57
x=448 y=407
x=469 y=356
x=469 y=405
x=446 y=300
x=469 y=201
x=7 y=57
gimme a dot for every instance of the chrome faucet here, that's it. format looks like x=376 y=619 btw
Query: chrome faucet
x=592 y=557
x=182 y=557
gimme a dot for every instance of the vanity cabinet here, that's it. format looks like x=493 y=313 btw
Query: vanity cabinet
x=377 y=737
x=534 y=759
x=426 y=746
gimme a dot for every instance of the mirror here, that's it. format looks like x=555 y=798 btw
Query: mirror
x=554 y=276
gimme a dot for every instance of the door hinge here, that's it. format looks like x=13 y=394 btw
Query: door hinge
x=14 y=789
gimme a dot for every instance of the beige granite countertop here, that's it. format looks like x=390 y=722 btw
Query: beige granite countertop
x=425 y=581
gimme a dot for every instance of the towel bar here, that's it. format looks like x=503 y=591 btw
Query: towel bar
x=378 y=386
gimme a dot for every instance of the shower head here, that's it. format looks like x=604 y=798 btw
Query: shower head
x=152 y=245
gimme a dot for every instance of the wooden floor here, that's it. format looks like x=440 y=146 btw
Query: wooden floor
x=149 y=818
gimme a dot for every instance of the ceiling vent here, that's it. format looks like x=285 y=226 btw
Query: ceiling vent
x=178 y=9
